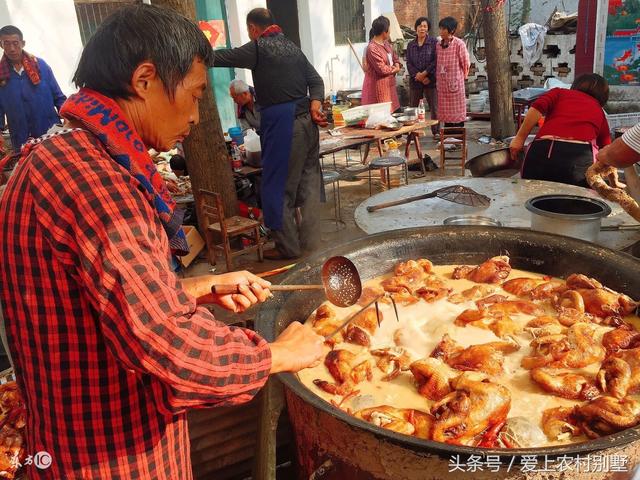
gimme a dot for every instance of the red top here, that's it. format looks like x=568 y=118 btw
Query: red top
x=573 y=114
x=379 y=84
x=109 y=351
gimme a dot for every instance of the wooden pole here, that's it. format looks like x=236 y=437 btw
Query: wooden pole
x=355 y=54
x=205 y=149
x=498 y=69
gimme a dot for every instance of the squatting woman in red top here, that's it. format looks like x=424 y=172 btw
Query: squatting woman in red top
x=575 y=126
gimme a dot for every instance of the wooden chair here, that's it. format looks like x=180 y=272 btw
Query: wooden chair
x=214 y=222
x=453 y=136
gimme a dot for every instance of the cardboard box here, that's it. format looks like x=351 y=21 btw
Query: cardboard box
x=196 y=244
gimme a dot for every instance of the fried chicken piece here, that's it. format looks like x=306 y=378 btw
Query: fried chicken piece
x=473 y=293
x=548 y=290
x=474 y=408
x=516 y=306
x=12 y=452
x=577 y=349
x=487 y=357
x=570 y=299
x=544 y=326
x=606 y=415
x=620 y=338
x=505 y=327
x=571 y=316
x=521 y=287
x=418 y=267
x=564 y=383
x=362 y=326
x=343 y=367
x=325 y=322
x=578 y=280
x=445 y=348
x=401 y=420
x=560 y=423
x=432 y=294
x=619 y=374
x=391 y=361
x=603 y=302
x=614 y=377
x=368 y=294
x=493 y=270
x=479 y=318
x=432 y=377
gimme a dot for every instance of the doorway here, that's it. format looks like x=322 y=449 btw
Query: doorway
x=286 y=15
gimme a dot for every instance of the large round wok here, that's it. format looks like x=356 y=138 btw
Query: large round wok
x=377 y=254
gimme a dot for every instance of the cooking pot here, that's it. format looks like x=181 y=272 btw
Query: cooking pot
x=340 y=446
x=570 y=215
x=355 y=99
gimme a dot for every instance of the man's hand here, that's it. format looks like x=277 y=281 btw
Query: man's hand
x=515 y=147
x=252 y=290
x=316 y=113
x=426 y=81
x=172 y=186
x=296 y=348
x=420 y=76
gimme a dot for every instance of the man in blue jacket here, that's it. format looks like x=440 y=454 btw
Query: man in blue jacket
x=29 y=93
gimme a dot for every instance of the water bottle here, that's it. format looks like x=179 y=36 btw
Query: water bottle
x=421 y=110
x=236 y=157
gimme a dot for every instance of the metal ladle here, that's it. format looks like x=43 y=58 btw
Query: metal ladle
x=340 y=281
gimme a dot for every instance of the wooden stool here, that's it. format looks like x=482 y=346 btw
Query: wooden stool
x=211 y=214
x=453 y=136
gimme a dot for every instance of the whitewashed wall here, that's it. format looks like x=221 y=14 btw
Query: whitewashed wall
x=50 y=28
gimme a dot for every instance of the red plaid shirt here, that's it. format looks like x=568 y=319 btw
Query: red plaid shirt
x=109 y=351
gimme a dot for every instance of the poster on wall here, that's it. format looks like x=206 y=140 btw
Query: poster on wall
x=215 y=31
x=622 y=45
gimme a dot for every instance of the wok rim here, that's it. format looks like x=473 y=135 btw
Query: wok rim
x=296 y=387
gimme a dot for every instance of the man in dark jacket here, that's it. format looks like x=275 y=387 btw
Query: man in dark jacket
x=29 y=93
x=290 y=94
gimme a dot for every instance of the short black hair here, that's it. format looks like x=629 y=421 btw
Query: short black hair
x=262 y=17
x=178 y=162
x=419 y=20
x=371 y=35
x=380 y=25
x=11 y=30
x=136 y=33
x=450 y=23
x=594 y=85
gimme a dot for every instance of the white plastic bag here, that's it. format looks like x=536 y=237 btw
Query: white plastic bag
x=252 y=141
x=378 y=118
x=532 y=37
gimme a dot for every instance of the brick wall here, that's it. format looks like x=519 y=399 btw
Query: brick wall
x=408 y=10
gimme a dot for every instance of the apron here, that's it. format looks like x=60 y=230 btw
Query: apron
x=276 y=125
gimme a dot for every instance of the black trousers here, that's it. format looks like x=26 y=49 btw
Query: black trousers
x=557 y=161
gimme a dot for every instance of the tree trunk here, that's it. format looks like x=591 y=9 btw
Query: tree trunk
x=498 y=70
x=205 y=149
x=433 y=12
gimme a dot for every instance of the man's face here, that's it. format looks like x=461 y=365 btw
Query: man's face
x=169 y=121
x=12 y=46
x=241 y=99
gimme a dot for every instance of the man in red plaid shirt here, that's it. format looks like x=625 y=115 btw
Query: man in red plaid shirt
x=110 y=348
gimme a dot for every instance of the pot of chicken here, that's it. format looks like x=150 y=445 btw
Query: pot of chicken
x=486 y=351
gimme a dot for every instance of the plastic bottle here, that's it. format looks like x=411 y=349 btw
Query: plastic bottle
x=236 y=157
x=421 y=110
